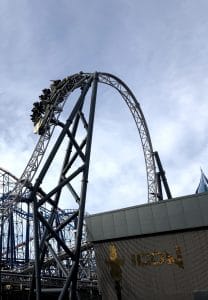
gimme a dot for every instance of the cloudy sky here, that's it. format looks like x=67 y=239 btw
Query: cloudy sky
x=158 y=47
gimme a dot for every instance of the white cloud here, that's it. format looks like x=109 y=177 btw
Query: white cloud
x=161 y=53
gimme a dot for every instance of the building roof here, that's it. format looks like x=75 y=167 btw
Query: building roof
x=164 y=216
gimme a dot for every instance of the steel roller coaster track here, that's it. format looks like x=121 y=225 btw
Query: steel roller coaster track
x=17 y=234
x=17 y=244
x=76 y=134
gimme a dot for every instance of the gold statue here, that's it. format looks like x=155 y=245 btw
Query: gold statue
x=115 y=264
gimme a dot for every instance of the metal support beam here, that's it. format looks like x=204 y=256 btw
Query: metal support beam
x=72 y=279
x=162 y=174
x=41 y=244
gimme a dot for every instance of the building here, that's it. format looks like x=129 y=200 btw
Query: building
x=153 y=251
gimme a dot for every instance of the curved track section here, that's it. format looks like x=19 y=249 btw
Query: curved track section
x=54 y=107
x=71 y=153
x=59 y=92
x=141 y=124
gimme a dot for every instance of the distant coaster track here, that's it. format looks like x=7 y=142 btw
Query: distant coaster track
x=17 y=243
x=17 y=234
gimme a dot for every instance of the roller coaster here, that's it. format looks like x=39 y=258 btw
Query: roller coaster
x=42 y=243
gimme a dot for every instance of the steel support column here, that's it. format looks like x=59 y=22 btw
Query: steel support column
x=72 y=279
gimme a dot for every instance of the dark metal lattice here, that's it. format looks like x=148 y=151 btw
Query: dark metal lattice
x=76 y=136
